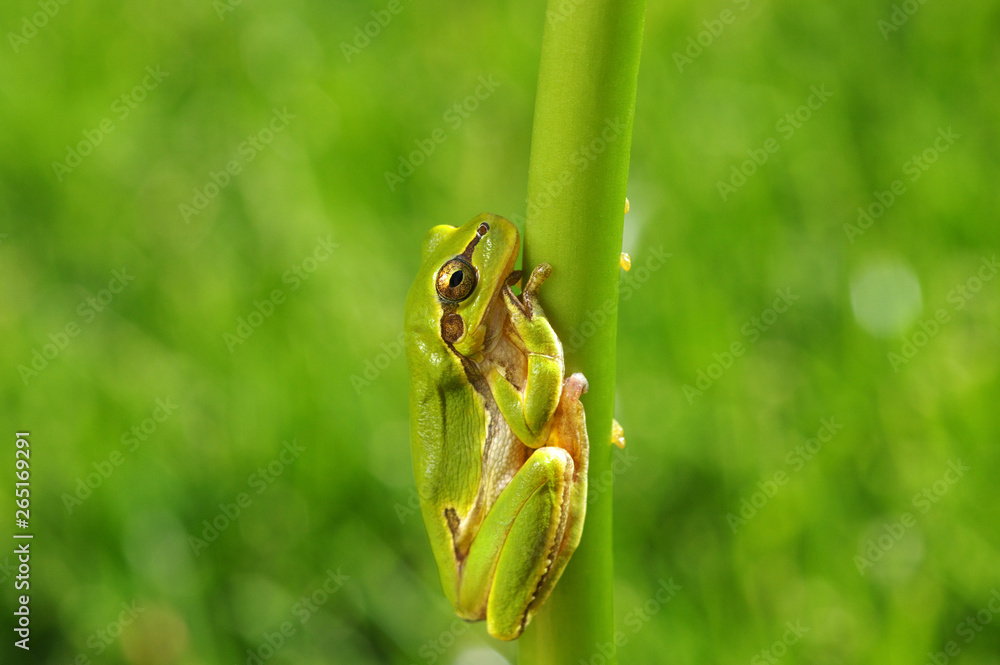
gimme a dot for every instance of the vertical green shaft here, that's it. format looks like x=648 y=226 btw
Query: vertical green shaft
x=576 y=198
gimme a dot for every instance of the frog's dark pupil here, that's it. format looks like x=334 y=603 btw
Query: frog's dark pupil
x=456 y=279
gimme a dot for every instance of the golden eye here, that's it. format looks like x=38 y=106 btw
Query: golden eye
x=456 y=280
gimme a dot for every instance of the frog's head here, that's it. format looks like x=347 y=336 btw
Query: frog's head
x=461 y=275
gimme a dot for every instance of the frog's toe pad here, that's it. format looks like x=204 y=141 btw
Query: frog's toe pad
x=575 y=385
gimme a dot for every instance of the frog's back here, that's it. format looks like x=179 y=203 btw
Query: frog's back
x=447 y=426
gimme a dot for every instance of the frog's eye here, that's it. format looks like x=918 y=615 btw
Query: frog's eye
x=456 y=280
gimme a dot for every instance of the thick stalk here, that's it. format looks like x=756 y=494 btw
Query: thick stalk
x=576 y=198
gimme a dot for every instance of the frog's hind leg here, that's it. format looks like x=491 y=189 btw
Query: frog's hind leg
x=569 y=432
x=517 y=545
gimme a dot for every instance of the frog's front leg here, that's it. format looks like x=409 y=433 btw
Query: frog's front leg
x=528 y=411
x=512 y=555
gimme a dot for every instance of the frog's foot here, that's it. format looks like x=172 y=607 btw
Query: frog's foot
x=575 y=385
x=525 y=308
x=530 y=295
x=569 y=423
x=541 y=273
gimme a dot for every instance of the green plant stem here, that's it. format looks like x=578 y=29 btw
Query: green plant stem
x=576 y=197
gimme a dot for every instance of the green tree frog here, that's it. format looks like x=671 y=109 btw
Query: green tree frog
x=499 y=437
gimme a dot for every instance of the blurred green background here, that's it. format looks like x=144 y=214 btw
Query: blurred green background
x=824 y=545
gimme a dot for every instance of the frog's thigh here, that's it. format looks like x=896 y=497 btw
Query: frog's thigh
x=515 y=544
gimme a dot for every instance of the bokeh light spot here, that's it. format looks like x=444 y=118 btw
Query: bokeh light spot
x=885 y=297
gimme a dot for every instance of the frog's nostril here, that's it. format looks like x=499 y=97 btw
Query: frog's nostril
x=483 y=229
